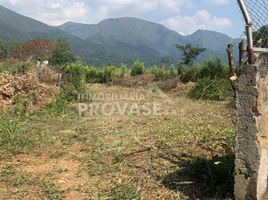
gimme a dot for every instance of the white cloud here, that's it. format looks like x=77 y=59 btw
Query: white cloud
x=202 y=19
x=220 y=2
x=168 y=12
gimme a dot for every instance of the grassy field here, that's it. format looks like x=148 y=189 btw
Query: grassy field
x=55 y=154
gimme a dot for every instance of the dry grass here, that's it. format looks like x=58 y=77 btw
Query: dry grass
x=26 y=86
x=119 y=157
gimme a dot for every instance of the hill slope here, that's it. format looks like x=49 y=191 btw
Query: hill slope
x=149 y=38
x=116 y=41
x=15 y=27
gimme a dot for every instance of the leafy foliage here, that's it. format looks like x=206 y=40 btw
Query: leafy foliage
x=75 y=79
x=18 y=67
x=161 y=73
x=214 y=68
x=63 y=53
x=190 y=53
x=138 y=68
x=214 y=89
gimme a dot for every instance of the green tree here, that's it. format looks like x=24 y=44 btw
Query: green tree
x=63 y=53
x=189 y=53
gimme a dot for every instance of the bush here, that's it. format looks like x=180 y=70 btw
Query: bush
x=138 y=68
x=217 y=89
x=188 y=74
x=108 y=74
x=75 y=82
x=92 y=75
x=63 y=54
x=18 y=67
x=182 y=69
x=159 y=74
x=172 y=71
x=213 y=68
x=123 y=70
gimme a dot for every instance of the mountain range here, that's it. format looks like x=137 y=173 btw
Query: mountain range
x=120 y=40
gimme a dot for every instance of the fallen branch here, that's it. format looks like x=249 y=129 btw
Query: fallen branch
x=204 y=90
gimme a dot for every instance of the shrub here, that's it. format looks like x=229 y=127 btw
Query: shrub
x=172 y=71
x=217 y=89
x=159 y=74
x=138 y=68
x=162 y=73
x=63 y=54
x=182 y=70
x=189 y=74
x=213 y=68
x=123 y=70
x=92 y=75
x=108 y=74
x=18 y=67
x=75 y=79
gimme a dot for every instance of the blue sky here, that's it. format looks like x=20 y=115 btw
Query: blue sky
x=183 y=16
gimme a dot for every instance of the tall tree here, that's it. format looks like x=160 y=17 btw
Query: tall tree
x=189 y=53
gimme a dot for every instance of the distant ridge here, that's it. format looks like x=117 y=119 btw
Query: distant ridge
x=115 y=40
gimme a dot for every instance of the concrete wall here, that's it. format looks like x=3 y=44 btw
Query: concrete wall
x=252 y=132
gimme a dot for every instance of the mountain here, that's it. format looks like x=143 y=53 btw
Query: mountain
x=129 y=33
x=149 y=38
x=15 y=28
x=116 y=41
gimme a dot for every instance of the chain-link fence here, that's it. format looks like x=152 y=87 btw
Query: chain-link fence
x=255 y=13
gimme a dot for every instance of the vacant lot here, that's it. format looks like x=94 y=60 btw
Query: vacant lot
x=54 y=154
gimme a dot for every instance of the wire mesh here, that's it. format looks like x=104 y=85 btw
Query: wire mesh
x=258 y=13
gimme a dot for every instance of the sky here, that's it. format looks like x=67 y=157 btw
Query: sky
x=183 y=16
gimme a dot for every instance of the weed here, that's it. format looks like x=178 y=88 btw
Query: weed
x=52 y=191
x=7 y=172
x=11 y=138
x=12 y=177
x=125 y=192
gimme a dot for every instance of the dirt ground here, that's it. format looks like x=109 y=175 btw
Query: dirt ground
x=101 y=157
